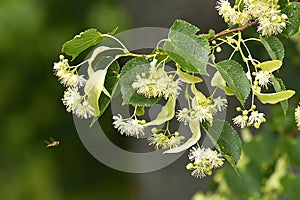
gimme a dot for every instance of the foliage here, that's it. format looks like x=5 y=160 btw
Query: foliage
x=144 y=81
x=270 y=174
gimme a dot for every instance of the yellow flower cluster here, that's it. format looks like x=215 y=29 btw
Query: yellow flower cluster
x=267 y=13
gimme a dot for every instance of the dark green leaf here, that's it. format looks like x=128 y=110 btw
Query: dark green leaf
x=83 y=41
x=240 y=4
x=283 y=3
x=135 y=66
x=225 y=139
x=111 y=82
x=265 y=144
x=292 y=10
x=232 y=72
x=140 y=110
x=246 y=183
x=274 y=47
x=291 y=185
x=191 y=52
x=279 y=86
x=292 y=147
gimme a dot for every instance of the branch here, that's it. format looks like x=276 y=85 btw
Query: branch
x=254 y=23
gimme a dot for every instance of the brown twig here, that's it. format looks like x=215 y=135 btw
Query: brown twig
x=254 y=23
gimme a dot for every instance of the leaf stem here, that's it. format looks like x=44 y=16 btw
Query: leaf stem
x=117 y=40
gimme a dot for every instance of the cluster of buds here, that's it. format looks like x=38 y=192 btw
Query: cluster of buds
x=254 y=119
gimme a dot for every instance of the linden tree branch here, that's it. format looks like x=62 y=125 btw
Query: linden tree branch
x=226 y=32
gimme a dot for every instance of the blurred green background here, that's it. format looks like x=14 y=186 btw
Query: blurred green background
x=31 y=35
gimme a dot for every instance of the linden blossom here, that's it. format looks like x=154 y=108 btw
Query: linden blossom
x=66 y=74
x=267 y=13
x=201 y=112
x=220 y=104
x=203 y=160
x=157 y=84
x=263 y=78
x=77 y=104
x=255 y=118
x=131 y=127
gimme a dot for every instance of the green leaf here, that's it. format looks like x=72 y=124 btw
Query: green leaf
x=218 y=81
x=279 y=86
x=273 y=98
x=274 y=47
x=291 y=185
x=188 y=78
x=232 y=72
x=225 y=139
x=83 y=41
x=240 y=4
x=140 y=111
x=135 y=66
x=111 y=81
x=266 y=144
x=292 y=10
x=196 y=135
x=191 y=52
x=270 y=66
x=283 y=3
x=208 y=35
x=246 y=183
x=167 y=113
x=292 y=147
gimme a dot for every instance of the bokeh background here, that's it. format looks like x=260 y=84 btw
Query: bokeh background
x=31 y=35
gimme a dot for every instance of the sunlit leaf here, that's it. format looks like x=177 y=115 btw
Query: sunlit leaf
x=83 y=41
x=191 y=52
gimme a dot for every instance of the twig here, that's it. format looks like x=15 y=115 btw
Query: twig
x=254 y=23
